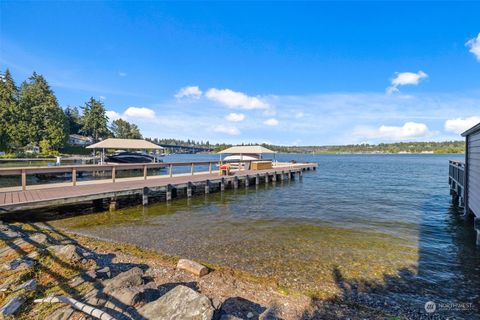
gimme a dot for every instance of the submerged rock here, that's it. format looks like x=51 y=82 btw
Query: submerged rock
x=179 y=303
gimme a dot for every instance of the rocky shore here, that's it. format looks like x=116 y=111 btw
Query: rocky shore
x=49 y=274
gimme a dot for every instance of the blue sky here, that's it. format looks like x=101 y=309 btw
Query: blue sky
x=283 y=73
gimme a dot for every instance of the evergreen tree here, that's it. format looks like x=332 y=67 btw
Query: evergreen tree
x=74 y=120
x=8 y=104
x=38 y=115
x=94 y=121
x=125 y=130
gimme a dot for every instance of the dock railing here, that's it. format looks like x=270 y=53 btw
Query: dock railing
x=456 y=180
x=75 y=170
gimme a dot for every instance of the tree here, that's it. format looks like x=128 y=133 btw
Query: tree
x=8 y=104
x=94 y=121
x=125 y=130
x=38 y=116
x=74 y=120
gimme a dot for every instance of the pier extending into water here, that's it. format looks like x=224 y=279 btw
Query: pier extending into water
x=146 y=188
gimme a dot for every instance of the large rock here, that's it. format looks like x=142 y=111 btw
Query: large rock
x=18 y=264
x=192 y=267
x=179 y=303
x=67 y=252
x=11 y=307
x=129 y=278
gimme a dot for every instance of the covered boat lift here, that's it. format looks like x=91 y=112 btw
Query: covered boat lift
x=123 y=144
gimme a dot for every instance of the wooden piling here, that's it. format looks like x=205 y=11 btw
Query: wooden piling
x=189 y=189
x=235 y=183
x=207 y=187
x=145 y=196
x=112 y=206
x=168 y=195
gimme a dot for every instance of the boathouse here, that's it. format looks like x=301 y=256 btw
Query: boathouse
x=472 y=171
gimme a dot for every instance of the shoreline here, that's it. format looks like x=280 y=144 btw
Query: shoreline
x=231 y=292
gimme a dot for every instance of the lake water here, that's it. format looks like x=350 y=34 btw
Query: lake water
x=361 y=225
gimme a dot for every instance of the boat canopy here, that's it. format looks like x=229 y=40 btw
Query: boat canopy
x=247 y=150
x=114 y=143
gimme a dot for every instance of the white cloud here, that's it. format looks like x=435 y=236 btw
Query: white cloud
x=408 y=131
x=235 y=117
x=230 y=130
x=122 y=74
x=189 y=92
x=460 y=125
x=271 y=122
x=405 y=78
x=134 y=112
x=474 y=45
x=299 y=115
x=234 y=99
x=112 y=115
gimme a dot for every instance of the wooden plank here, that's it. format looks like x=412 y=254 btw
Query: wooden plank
x=22 y=197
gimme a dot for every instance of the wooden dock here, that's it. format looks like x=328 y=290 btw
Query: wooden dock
x=146 y=187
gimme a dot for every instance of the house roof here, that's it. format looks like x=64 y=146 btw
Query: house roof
x=473 y=129
x=79 y=137
x=114 y=143
x=247 y=150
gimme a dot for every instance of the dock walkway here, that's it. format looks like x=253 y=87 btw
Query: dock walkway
x=59 y=194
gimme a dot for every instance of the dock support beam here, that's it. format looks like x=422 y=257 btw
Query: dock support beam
x=145 y=196
x=266 y=178
x=222 y=185
x=113 y=204
x=476 y=225
x=235 y=182
x=189 y=190
x=207 y=187
x=168 y=196
x=257 y=179
x=274 y=177
x=247 y=181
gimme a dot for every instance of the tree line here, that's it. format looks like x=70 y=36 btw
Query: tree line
x=30 y=115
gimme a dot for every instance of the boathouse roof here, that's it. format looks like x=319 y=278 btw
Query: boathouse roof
x=471 y=130
x=247 y=150
x=114 y=143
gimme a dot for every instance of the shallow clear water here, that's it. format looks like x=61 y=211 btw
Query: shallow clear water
x=360 y=223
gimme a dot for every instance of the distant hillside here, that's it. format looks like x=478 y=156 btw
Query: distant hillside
x=400 y=147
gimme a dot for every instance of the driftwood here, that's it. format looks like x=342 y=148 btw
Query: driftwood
x=91 y=311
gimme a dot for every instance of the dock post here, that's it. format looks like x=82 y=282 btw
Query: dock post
x=210 y=167
x=266 y=178
x=74 y=176
x=189 y=190
x=170 y=170
x=222 y=185
x=145 y=196
x=274 y=177
x=193 y=168
x=257 y=179
x=282 y=176
x=247 y=181
x=113 y=174
x=144 y=172
x=207 y=187
x=235 y=182
x=168 y=195
x=300 y=174
x=113 y=204
x=24 y=180
x=291 y=175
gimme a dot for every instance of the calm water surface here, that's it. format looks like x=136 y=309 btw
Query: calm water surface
x=360 y=223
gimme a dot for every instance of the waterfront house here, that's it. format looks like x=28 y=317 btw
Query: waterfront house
x=79 y=140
